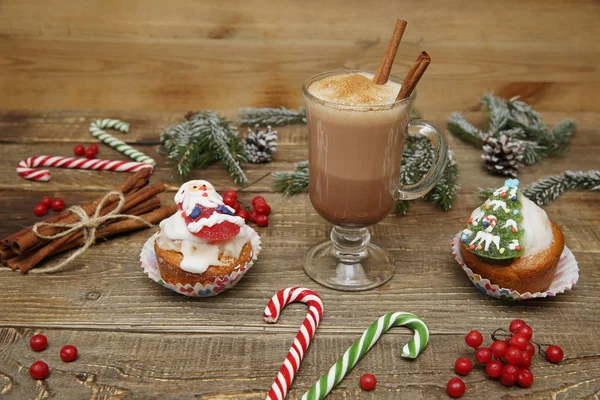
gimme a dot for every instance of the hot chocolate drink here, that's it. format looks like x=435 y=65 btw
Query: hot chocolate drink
x=356 y=130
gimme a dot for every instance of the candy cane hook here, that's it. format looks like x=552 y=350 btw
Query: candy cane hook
x=27 y=167
x=292 y=361
x=359 y=348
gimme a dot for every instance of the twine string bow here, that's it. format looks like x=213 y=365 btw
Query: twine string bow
x=87 y=225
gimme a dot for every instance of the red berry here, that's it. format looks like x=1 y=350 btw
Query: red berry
x=530 y=349
x=46 y=200
x=94 y=147
x=509 y=375
x=526 y=331
x=463 y=366
x=79 y=150
x=474 y=339
x=525 y=359
x=39 y=370
x=498 y=348
x=237 y=206
x=90 y=154
x=252 y=216
x=524 y=378
x=230 y=193
x=262 y=220
x=516 y=324
x=263 y=208
x=455 y=387
x=519 y=341
x=483 y=355
x=494 y=369
x=229 y=201
x=40 y=210
x=68 y=353
x=38 y=342
x=368 y=382
x=554 y=354
x=258 y=199
x=242 y=213
x=513 y=355
x=58 y=204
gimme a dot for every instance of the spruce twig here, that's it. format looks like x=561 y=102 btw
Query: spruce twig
x=544 y=191
x=264 y=116
x=201 y=140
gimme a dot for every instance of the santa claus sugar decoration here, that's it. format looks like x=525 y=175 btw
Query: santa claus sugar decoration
x=205 y=214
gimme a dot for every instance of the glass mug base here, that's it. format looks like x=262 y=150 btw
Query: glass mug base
x=349 y=262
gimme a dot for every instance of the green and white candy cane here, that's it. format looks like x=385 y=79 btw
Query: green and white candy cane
x=97 y=129
x=359 y=348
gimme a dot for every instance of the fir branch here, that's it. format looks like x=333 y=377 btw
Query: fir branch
x=401 y=207
x=444 y=192
x=271 y=116
x=202 y=139
x=460 y=127
x=498 y=111
x=293 y=182
x=544 y=191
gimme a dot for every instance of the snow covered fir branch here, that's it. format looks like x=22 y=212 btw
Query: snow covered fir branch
x=544 y=191
x=515 y=135
x=264 y=116
x=202 y=139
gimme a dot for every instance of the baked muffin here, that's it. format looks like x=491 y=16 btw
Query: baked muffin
x=204 y=240
x=510 y=241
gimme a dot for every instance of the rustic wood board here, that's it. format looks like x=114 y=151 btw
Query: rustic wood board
x=139 y=340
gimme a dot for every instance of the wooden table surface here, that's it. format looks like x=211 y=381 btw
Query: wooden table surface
x=64 y=64
x=140 y=340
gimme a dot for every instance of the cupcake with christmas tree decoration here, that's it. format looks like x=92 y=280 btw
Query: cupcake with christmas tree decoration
x=204 y=248
x=510 y=248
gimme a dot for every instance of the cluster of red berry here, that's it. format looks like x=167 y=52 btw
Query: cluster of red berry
x=79 y=150
x=508 y=360
x=47 y=202
x=259 y=214
x=39 y=369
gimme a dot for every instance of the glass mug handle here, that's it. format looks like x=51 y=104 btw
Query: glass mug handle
x=440 y=157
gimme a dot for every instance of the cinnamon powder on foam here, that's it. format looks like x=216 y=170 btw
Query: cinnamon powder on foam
x=354 y=89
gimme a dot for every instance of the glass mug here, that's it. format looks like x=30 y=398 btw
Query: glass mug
x=355 y=154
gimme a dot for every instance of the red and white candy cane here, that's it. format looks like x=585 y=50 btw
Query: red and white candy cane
x=292 y=361
x=27 y=168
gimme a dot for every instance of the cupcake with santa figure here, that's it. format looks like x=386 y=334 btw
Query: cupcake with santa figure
x=204 y=248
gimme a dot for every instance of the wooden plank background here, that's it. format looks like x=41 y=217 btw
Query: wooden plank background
x=150 y=55
x=63 y=64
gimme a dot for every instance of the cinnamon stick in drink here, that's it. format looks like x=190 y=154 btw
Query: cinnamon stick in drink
x=383 y=72
x=413 y=75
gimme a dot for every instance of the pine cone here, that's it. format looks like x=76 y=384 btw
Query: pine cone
x=260 y=145
x=503 y=155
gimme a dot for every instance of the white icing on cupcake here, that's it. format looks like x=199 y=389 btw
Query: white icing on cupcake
x=177 y=235
x=538 y=234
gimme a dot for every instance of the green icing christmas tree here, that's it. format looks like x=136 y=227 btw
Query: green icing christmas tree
x=496 y=228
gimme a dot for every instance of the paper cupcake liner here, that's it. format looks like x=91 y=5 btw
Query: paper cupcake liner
x=566 y=276
x=150 y=266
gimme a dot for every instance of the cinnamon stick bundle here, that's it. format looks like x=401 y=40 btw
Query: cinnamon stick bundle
x=25 y=239
x=24 y=250
x=27 y=262
x=413 y=76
